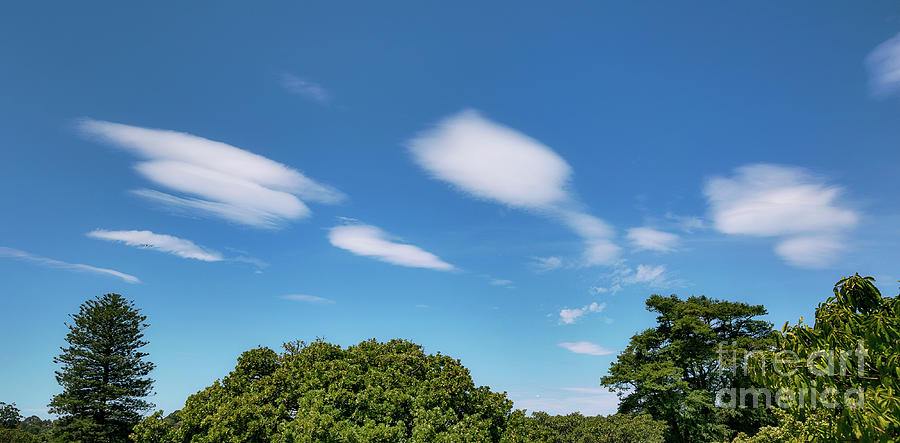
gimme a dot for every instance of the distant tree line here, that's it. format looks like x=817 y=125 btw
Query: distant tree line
x=673 y=382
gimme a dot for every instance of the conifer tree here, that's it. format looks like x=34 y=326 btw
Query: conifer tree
x=104 y=375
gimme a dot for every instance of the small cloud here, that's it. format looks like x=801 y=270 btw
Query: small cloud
x=585 y=347
x=543 y=264
x=160 y=242
x=22 y=255
x=650 y=239
x=307 y=298
x=687 y=223
x=421 y=306
x=787 y=203
x=568 y=316
x=370 y=241
x=306 y=88
x=503 y=283
x=647 y=274
x=884 y=68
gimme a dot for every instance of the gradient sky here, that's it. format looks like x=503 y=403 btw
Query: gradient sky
x=505 y=183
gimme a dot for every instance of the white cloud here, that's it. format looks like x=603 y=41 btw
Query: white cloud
x=161 y=242
x=586 y=347
x=306 y=88
x=808 y=252
x=218 y=179
x=307 y=298
x=370 y=241
x=546 y=263
x=687 y=223
x=568 y=316
x=22 y=255
x=501 y=282
x=884 y=67
x=497 y=163
x=645 y=238
x=646 y=274
x=777 y=201
x=492 y=161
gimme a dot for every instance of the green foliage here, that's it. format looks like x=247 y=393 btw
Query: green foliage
x=17 y=436
x=673 y=373
x=103 y=373
x=792 y=428
x=370 y=392
x=9 y=415
x=576 y=428
x=35 y=426
x=856 y=318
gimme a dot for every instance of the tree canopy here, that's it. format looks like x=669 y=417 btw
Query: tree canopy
x=672 y=371
x=847 y=364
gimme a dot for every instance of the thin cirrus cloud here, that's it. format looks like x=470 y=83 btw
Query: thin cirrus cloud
x=25 y=256
x=497 y=163
x=304 y=298
x=790 y=204
x=306 y=88
x=649 y=239
x=214 y=178
x=883 y=64
x=568 y=316
x=160 y=242
x=370 y=241
x=647 y=275
x=585 y=347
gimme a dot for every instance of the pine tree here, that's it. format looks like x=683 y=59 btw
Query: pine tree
x=104 y=375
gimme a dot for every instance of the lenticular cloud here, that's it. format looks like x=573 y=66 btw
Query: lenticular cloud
x=494 y=162
x=788 y=203
x=215 y=178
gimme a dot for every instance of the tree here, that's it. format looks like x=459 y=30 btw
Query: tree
x=9 y=416
x=372 y=392
x=576 y=428
x=104 y=375
x=846 y=364
x=673 y=371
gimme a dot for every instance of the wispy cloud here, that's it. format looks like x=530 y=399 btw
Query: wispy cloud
x=687 y=223
x=787 y=203
x=370 y=241
x=568 y=316
x=307 y=299
x=306 y=88
x=543 y=264
x=217 y=179
x=585 y=347
x=884 y=67
x=160 y=242
x=501 y=282
x=497 y=163
x=22 y=255
x=656 y=277
x=649 y=239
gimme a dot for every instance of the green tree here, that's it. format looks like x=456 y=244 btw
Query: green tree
x=9 y=416
x=673 y=371
x=370 y=392
x=850 y=357
x=104 y=375
x=576 y=428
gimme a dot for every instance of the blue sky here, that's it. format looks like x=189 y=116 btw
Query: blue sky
x=505 y=183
